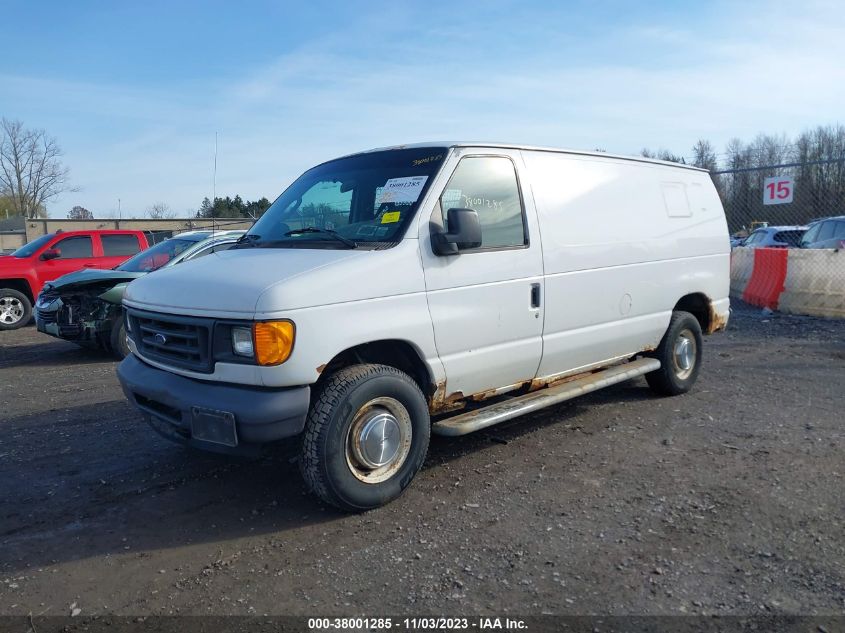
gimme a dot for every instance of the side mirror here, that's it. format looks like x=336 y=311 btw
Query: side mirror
x=463 y=232
x=51 y=253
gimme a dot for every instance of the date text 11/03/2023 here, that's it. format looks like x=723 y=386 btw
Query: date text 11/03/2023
x=417 y=624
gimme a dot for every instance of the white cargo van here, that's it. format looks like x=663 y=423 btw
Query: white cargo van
x=429 y=288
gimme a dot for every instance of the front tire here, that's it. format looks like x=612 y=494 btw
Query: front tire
x=15 y=309
x=366 y=437
x=118 y=344
x=679 y=354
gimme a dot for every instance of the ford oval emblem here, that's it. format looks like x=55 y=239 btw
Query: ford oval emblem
x=161 y=339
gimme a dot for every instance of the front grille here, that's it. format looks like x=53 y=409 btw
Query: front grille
x=46 y=316
x=183 y=342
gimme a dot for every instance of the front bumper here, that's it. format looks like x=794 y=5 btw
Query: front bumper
x=178 y=408
x=47 y=316
x=50 y=318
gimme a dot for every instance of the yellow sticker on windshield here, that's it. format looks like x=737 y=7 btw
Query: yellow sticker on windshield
x=390 y=217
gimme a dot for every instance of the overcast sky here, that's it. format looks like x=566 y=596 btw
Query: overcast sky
x=135 y=92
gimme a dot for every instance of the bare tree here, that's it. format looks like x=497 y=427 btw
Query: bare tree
x=30 y=169
x=703 y=155
x=160 y=211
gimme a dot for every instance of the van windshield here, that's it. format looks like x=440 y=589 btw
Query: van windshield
x=360 y=201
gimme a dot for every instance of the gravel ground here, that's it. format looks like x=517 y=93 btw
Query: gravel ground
x=727 y=500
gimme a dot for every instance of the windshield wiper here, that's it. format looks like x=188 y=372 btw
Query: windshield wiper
x=247 y=239
x=313 y=229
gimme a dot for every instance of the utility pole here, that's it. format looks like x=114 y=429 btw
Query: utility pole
x=214 y=175
x=214 y=183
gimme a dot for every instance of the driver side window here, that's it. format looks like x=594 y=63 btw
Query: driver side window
x=826 y=232
x=811 y=235
x=488 y=186
x=75 y=247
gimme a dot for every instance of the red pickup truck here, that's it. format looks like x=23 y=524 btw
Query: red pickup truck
x=24 y=272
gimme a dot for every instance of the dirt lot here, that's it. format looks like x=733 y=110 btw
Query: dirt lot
x=728 y=500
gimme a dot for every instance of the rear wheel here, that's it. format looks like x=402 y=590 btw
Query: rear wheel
x=679 y=354
x=366 y=437
x=15 y=309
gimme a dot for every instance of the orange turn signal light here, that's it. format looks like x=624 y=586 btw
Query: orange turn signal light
x=273 y=341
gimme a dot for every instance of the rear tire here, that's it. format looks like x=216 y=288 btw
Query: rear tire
x=15 y=309
x=366 y=437
x=679 y=354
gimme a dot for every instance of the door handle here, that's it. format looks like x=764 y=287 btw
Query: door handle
x=535 y=295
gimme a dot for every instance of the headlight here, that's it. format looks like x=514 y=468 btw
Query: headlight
x=273 y=341
x=242 y=341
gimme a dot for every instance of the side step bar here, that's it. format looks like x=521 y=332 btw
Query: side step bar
x=472 y=421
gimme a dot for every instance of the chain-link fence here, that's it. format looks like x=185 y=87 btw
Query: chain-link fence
x=782 y=195
x=787 y=225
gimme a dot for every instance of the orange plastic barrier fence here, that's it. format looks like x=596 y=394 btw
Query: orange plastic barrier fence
x=767 y=277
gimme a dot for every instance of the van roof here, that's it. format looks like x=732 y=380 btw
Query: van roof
x=537 y=148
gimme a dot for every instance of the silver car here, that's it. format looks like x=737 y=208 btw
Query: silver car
x=826 y=233
x=775 y=237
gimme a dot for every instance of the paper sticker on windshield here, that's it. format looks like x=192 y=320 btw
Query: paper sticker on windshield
x=390 y=217
x=366 y=230
x=402 y=190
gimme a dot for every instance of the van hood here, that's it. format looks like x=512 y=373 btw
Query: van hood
x=268 y=282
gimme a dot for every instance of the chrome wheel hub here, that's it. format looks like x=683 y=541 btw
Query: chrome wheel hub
x=379 y=440
x=11 y=310
x=684 y=354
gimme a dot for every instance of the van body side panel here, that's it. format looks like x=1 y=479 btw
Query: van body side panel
x=622 y=242
x=325 y=331
x=487 y=333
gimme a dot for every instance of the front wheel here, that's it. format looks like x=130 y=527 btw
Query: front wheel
x=118 y=344
x=679 y=354
x=15 y=309
x=366 y=437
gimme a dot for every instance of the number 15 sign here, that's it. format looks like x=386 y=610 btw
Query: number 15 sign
x=778 y=190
